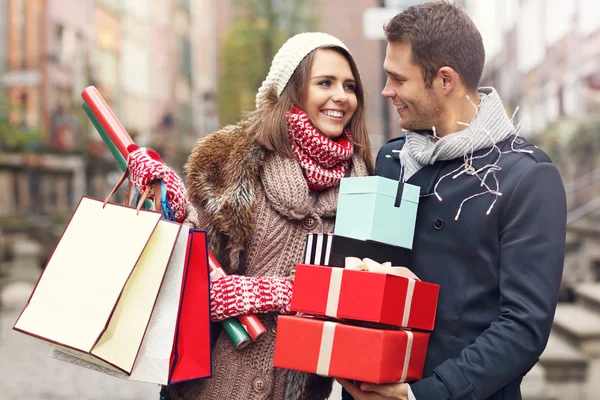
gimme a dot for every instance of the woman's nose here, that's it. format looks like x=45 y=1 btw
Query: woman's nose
x=340 y=95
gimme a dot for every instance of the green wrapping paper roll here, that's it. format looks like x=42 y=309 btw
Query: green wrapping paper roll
x=111 y=146
x=236 y=332
x=232 y=326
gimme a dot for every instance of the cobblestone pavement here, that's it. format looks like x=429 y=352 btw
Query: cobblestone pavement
x=27 y=373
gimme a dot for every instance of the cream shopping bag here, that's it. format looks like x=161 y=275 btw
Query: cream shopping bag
x=176 y=346
x=96 y=294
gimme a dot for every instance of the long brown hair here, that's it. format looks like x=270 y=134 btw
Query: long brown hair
x=270 y=124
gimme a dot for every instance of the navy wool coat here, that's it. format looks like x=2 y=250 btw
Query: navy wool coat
x=499 y=274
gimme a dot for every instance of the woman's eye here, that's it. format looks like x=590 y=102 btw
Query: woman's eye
x=325 y=83
x=351 y=87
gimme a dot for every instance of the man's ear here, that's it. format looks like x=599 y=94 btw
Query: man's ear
x=448 y=79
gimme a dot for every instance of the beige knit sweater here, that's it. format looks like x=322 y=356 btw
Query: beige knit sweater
x=282 y=212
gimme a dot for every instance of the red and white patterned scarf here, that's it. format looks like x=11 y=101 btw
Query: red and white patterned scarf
x=324 y=161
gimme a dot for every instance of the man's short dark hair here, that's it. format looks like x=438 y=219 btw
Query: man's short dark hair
x=440 y=34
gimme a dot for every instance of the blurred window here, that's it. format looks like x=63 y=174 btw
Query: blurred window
x=185 y=57
x=558 y=18
x=22 y=28
x=185 y=4
x=530 y=40
x=107 y=30
x=596 y=269
x=135 y=68
x=589 y=16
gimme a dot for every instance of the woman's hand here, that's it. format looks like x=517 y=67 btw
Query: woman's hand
x=235 y=295
x=146 y=166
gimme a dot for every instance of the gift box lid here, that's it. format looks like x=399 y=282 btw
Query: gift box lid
x=378 y=184
x=395 y=300
x=331 y=250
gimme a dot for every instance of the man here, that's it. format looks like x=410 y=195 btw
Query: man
x=492 y=214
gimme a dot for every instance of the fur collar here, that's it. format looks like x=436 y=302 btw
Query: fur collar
x=222 y=173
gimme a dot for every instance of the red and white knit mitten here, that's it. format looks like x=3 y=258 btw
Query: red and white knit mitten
x=235 y=295
x=146 y=166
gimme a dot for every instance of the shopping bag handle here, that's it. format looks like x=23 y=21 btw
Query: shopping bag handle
x=160 y=190
x=157 y=196
x=164 y=203
x=157 y=193
x=117 y=186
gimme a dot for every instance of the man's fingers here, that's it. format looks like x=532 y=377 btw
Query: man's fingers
x=351 y=388
x=394 y=390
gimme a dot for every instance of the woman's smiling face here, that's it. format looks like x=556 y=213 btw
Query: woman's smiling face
x=331 y=99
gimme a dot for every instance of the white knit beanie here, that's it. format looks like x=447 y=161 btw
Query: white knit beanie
x=289 y=57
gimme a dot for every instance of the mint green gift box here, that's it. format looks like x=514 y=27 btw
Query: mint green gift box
x=366 y=210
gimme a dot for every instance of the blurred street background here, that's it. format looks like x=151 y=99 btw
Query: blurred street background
x=176 y=70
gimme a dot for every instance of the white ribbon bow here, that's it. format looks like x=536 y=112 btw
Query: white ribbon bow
x=366 y=264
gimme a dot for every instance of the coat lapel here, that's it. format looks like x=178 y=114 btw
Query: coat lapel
x=427 y=177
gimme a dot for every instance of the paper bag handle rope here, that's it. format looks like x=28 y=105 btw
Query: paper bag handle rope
x=155 y=184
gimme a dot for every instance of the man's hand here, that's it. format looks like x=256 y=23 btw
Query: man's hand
x=371 y=391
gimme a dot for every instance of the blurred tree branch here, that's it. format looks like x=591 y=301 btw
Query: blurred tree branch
x=573 y=144
x=13 y=137
x=259 y=29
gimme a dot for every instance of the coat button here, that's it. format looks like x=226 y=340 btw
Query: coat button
x=259 y=384
x=273 y=330
x=519 y=141
x=309 y=223
x=438 y=223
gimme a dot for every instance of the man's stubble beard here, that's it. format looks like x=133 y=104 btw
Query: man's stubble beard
x=428 y=112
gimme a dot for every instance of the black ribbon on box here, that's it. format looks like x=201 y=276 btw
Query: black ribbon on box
x=400 y=190
x=332 y=250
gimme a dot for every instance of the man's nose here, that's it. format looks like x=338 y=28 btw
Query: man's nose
x=388 y=92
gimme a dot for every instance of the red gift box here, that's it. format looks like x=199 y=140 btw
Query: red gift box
x=365 y=296
x=345 y=351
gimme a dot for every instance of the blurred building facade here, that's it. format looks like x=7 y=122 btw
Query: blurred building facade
x=25 y=51
x=152 y=60
x=337 y=18
x=3 y=34
x=542 y=55
x=347 y=24
x=147 y=58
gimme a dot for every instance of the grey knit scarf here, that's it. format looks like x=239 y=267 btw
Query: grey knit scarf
x=490 y=126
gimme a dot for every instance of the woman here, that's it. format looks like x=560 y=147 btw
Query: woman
x=258 y=188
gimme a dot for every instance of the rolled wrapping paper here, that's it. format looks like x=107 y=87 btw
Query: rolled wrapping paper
x=368 y=265
x=250 y=322
x=117 y=139
x=111 y=146
x=326 y=348
x=107 y=140
x=107 y=119
x=236 y=332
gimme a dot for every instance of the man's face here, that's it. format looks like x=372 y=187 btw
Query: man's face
x=419 y=107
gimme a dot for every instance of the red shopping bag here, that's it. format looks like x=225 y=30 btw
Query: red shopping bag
x=191 y=354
